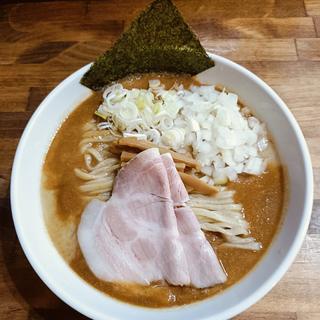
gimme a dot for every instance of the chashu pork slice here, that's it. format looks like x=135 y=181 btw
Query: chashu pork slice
x=134 y=236
x=179 y=194
x=145 y=232
x=204 y=267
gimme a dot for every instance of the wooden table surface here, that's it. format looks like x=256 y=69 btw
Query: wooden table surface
x=43 y=42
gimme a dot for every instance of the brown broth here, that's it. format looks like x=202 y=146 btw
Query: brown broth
x=262 y=198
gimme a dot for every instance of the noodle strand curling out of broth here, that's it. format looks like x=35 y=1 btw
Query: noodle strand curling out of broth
x=220 y=214
x=101 y=166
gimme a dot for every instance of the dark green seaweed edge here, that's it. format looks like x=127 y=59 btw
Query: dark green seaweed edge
x=154 y=50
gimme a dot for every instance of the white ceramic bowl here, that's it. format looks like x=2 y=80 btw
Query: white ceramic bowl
x=58 y=276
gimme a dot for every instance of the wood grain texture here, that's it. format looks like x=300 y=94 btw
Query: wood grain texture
x=312 y=7
x=316 y=21
x=42 y=42
x=253 y=49
x=224 y=9
x=247 y=28
x=308 y=49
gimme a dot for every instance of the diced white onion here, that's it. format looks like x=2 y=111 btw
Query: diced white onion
x=226 y=139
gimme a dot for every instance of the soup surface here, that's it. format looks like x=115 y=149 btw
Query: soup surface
x=262 y=198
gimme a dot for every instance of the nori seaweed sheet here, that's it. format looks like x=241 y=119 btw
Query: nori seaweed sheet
x=158 y=40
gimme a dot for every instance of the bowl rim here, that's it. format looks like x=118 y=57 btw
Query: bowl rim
x=243 y=304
